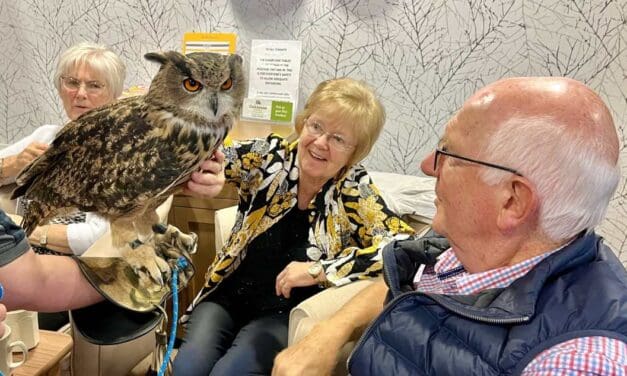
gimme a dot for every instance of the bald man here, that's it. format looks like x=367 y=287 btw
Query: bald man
x=525 y=171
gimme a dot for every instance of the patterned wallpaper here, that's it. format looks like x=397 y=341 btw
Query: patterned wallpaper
x=423 y=56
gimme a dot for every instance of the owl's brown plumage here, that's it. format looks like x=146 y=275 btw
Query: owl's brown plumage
x=123 y=160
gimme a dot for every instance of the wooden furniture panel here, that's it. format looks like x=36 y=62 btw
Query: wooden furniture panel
x=198 y=215
x=44 y=358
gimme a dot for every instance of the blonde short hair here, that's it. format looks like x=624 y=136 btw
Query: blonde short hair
x=99 y=58
x=355 y=104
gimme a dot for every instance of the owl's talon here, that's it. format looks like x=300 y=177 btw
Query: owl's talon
x=165 y=271
x=172 y=237
x=193 y=243
x=153 y=271
x=154 y=261
x=149 y=267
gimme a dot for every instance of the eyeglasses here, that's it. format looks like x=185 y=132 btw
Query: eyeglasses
x=91 y=87
x=336 y=141
x=439 y=151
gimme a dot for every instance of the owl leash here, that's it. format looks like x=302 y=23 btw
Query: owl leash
x=180 y=264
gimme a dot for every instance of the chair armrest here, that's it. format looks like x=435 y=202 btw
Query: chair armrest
x=224 y=221
x=420 y=224
x=321 y=306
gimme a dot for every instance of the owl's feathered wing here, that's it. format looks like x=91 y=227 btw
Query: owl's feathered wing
x=123 y=160
x=117 y=160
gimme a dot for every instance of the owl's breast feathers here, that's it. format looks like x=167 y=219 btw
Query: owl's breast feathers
x=118 y=159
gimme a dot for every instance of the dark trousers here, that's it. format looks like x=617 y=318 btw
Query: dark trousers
x=217 y=343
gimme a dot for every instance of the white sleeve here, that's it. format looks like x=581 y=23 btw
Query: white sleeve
x=45 y=134
x=81 y=236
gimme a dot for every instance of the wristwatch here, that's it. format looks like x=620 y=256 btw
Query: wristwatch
x=315 y=269
x=43 y=239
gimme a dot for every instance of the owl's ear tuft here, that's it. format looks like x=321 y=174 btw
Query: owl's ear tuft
x=156 y=56
x=176 y=58
x=235 y=63
x=162 y=57
x=235 y=58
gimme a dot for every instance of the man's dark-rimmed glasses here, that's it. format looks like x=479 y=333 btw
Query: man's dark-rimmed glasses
x=439 y=151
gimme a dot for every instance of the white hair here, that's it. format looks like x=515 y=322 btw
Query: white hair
x=99 y=58
x=573 y=177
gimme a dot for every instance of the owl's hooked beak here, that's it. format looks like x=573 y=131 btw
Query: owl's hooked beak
x=213 y=103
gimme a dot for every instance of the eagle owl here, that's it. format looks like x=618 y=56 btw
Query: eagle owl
x=124 y=159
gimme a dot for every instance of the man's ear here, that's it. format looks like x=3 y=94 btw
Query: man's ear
x=519 y=204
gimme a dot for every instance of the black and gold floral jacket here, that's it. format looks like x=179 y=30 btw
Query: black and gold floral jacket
x=350 y=223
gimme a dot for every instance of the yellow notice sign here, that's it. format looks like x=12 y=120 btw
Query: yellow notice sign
x=222 y=43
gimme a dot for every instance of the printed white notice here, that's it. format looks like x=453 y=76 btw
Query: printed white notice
x=274 y=74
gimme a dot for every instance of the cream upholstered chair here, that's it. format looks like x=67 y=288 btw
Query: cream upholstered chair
x=319 y=307
x=224 y=222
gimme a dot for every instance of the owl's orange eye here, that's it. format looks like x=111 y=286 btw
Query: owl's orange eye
x=226 y=85
x=191 y=85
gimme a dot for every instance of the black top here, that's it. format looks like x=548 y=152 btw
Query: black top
x=250 y=291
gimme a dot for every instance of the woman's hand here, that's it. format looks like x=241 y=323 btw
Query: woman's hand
x=14 y=164
x=295 y=275
x=32 y=151
x=209 y=181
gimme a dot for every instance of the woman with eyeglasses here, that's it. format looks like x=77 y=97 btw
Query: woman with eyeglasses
x=88 y=76
x=309 y=217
